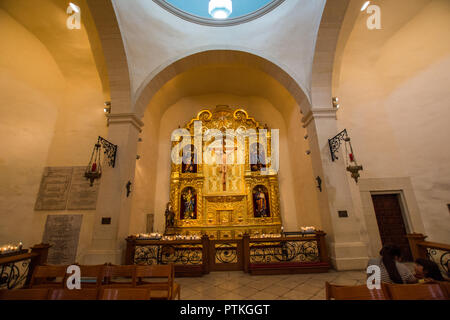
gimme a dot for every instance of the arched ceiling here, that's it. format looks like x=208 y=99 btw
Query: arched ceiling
x=154 y=38
x=158 y=40
x=230 y=79
x=75 y=51
x=224 y=59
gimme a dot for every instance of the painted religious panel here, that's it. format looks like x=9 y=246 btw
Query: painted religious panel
x=189 y=159
x=261 y=207
x=188 y=204
x=257 y=157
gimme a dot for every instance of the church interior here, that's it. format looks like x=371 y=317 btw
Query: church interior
x=240 y=150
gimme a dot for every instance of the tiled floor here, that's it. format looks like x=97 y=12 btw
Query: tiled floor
x=240 y=286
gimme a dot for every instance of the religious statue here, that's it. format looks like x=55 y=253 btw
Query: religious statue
x=170 y=217
x=261 y=208
x=257 y=157
x=188 y=204
x=189 y=164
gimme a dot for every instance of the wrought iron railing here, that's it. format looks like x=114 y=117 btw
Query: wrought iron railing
x=226 y=253
x=307 y=251
x=284 y=251
x=286 y=254
x=167 y=253
x=14 y=275
x=188 y=256
x=16 y=269
x=437 y=252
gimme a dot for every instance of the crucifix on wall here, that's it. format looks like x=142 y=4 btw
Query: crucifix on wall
x=224 y=166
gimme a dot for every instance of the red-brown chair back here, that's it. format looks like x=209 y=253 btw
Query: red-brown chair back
x=41 y=275
x=426 y=291
x=65 y=294
x=126 y=274
x=94 y=272
x=124 y=294
x=353 y=293
x=24 y=294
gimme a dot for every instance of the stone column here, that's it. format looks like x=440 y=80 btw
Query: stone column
x=347 y=250
x=108 y=241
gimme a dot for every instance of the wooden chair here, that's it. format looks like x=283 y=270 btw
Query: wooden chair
x=47 y=277
x=425 y=291
x=445 y=286
x=161 y=290
x=24 y=294
x=353 y=293
x=124 y=294
x=92 y=276
x=115 y=276
x=65 y=294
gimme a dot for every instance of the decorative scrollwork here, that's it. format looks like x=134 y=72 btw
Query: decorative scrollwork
x=14 y=275
x=288 y=251
x=335 y=143
x=441 y=258
x=181 y=254
x=165 y=254
x=146 y=255
x=226 y=253
x=109 y=149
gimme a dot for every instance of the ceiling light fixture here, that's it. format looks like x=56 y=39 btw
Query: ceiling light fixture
x=365 y=5
x=220 y=9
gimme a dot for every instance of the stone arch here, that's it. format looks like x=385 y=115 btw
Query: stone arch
x=209 y=56
x=325 y=53
x=105 y=19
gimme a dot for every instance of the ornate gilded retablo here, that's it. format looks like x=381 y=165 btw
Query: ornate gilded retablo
x=223 y=179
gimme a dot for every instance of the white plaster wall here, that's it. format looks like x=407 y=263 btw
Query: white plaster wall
x=154 y=38
x=395 y=103
x=47 y=118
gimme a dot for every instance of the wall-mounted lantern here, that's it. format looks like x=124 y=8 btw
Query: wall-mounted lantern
x=94 y=168
x=350 y=159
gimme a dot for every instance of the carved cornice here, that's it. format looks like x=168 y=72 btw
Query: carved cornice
x=126 y=118
x=317 y=113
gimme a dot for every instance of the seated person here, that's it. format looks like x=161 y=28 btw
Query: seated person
x=427 y=270
x=392 y=271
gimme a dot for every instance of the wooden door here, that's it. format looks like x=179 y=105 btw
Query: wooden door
x=390 y=222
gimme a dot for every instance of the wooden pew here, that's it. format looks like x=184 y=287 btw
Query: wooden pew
x=353 y=293
x=112 y=273
x=42 y=274
x=124 y=294
x=164 y=290
x=24 y=294
x=65 y=294
x=426 y=291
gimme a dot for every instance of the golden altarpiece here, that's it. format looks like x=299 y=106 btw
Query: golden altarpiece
x=224 y=181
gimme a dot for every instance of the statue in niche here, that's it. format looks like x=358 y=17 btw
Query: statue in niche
x=188 y=204
x=261 y=208
x=189 y=164
x=257 y=157
x=170 y=217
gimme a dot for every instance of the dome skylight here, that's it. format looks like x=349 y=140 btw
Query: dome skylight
x=219 y=12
